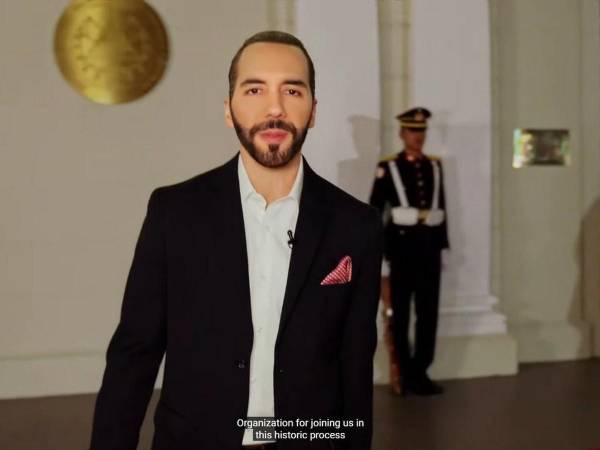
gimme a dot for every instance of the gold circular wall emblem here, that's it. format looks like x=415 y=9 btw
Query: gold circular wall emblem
x=111 y=51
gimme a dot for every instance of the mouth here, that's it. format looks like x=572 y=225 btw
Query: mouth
x=273 y=136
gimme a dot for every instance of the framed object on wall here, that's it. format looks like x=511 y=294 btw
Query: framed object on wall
x=536 y=147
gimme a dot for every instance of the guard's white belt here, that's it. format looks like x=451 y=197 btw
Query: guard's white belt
x=405 y=214
x=413 y=216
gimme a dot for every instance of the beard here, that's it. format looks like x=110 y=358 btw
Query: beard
x=275 y=156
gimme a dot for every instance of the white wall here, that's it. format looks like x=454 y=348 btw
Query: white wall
x=590 y=138
x=451 y=76
x=344 y=146
x=75 y=179
x=341 y=36
x=75 y=176
x=451 y=67
x=546 y=66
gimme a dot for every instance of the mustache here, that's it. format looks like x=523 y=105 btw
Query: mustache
x=273 y=125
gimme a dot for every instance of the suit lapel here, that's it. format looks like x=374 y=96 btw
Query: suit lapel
x=230 y=226
x=313 y=218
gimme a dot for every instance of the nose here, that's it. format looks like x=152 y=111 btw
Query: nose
x=275 y=108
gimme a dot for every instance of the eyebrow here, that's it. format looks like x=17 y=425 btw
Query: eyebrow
x=296 y=83
x=252 y=81
x=293 y=82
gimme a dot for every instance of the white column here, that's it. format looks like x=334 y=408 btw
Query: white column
x=451 y=76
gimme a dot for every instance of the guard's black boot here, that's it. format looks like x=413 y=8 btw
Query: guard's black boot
x=404 y=386
x=423 y=385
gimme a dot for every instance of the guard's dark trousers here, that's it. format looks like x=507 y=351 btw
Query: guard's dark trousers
x=415 y=275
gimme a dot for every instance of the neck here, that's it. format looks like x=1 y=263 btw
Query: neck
x=414 y=152
x=271 y=183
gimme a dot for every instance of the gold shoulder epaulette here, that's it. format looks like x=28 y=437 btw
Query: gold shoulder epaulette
x=434 y=157
x=388 y=157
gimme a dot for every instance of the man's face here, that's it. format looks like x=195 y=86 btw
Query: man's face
x=414 y=139
x=272 y=106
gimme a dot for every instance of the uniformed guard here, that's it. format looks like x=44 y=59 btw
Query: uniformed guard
x=409 y=188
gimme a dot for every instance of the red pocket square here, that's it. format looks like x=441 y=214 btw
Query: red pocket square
x=341 y=274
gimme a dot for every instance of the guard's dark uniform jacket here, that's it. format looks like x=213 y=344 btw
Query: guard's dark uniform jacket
x=415 y=234
x=417 y=177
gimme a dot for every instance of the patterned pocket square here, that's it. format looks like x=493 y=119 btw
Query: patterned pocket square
x=341 y=274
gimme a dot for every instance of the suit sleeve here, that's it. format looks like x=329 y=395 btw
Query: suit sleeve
x=360 y=340
x=445 y=241
x=137 y=346
x=377 y=197
x=378 y=200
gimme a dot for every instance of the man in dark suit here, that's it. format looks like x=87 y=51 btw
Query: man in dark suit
x=259 y=281
x=411 y=184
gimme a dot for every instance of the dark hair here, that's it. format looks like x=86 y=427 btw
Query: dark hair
x=276 y=37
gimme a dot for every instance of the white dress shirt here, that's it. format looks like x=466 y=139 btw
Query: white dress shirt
x=266 y=229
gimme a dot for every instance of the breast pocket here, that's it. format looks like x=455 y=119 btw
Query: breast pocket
x=335 y=301
x=336 y=289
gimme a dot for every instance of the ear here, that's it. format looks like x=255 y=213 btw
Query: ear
x=228 y=119
x=311 y=123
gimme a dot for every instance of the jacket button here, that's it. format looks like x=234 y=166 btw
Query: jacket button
x=280 y=370
x=240 y=364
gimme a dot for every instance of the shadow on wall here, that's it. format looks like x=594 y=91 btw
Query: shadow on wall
x=356 y=175
x=584 y=310
x=585 y=302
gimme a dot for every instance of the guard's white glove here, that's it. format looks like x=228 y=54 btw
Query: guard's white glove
x=385 y=268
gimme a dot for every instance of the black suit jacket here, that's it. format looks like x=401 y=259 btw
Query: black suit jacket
x=187 y=296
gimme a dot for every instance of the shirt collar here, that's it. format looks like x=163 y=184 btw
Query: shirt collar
x=246 y=188
x=412 y=158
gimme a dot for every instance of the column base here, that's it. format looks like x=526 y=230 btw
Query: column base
x=472 y=342
x=474 y=356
